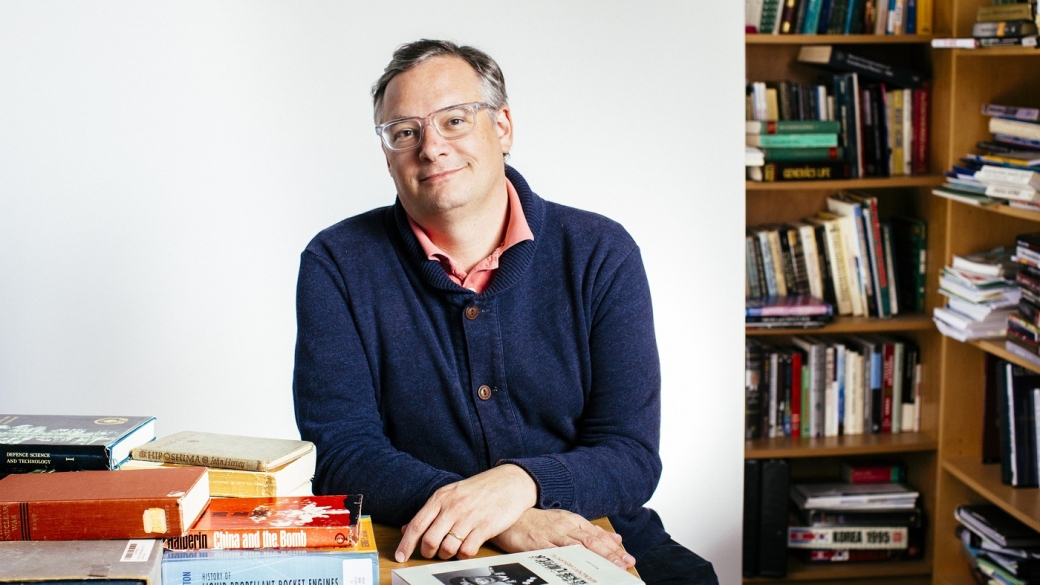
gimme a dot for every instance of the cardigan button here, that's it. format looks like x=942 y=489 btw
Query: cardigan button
x=471 y=312
x=484 y=392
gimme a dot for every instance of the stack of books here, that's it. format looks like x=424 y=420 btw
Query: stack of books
x=998 y=24
x=999 y=548
x=981 y=294
x=1023 y=330
x=62 y=526
x=1005 y=170
x=846 y=256
x=839 y=522
x=836 y=17
x=869 y=120
x=827 y=387
x=239 y=466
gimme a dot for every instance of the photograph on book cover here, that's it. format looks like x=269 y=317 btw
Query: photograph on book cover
x=510 y=573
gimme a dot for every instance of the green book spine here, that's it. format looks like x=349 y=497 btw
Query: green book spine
x=804 y=154
x=794 y=127
x=790 y=140
x=806 y=401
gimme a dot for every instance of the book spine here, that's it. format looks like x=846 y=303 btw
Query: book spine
x=254 y=538
x=147 y=454
x=887 y=379
x=830 y=400
x=806 y=408
x=839 y=268
x=773 y=513
x=804 y=171
x=752 y=520
x=908 y=131
x=796 y=394
x=851 y=538
x=26 y=459
x=997 y=13
x=770 y=17
x=874 y=376
x=890 y=268
x=898 y=355
x=921 y=107
x=874 y=474
x=798 y=261
x=787 y=17
x=787 y=254
x=101 y=519
x=815 y=140
x=752 y=391
x=777 y=254
x=876 y=258
x=792 y=126
x=854 y=17
x=924 y=17
x=825 y=17
x=812 y=16
x=911 y=18
x=271 y=567
x=897 y=134
x=807 y=236
x=839 y=12
x=1004 y=28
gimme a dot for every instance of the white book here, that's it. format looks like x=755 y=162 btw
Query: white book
x=848 y=537
x=830 y=399
x=1009 y=175
x=807 y=235
x=855 y=267
x=967 y=334
x=835 y=246
x=1018 y=128
x=961 y=321
x=567 y=565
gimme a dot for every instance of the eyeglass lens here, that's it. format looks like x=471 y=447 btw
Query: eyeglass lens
x=450 y=123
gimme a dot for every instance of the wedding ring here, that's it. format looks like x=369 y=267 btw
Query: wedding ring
x=457 y=537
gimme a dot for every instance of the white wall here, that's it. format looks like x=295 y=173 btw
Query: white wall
x=163 y=164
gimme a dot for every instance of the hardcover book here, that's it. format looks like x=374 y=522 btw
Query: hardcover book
x=845 y=496
x=356 y=565
x=98 y=505
x=47 y=442
x=291 y=479
x=292 y=522
x=555 y=566
x=848 y=537
x=223 y=451
x=98 y=562
x=837 y=58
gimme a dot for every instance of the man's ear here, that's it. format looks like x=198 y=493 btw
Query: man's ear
x=504 y=127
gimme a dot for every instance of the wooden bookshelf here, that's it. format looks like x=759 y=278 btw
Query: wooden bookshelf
x=844 y=446
x=844 y=324
x=964 y=80
x=774 y=57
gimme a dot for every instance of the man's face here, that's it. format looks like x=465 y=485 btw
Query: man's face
x=441 y=176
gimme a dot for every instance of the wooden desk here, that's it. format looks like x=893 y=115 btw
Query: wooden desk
x=388 y=537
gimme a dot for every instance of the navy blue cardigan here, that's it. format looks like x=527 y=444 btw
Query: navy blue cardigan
x=392 y=361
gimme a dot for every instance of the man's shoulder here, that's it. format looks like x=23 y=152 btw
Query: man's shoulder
x=577 y=224
x=361 y=230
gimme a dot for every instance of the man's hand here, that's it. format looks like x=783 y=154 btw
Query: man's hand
x=461 y=516
x=537 y=529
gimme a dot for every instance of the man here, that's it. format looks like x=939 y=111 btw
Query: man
x=478 y=362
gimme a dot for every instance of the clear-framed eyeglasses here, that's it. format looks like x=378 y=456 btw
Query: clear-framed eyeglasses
x=451 y=122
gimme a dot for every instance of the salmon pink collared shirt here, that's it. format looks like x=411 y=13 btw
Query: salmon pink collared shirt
x=478 y=278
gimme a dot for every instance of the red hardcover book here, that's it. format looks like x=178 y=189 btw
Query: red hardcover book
x=888 y=359
x=922 y=104
x=796 y=394
x=280 y=522
x=873 y=472
x=101 y=505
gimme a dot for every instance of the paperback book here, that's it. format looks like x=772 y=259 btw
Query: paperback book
x=223 y=451
x=93 y=562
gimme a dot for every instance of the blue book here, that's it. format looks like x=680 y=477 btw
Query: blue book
x=812 y=17
x=825 y=17
x=52 y=442
x=839 y=373
x=911 y=17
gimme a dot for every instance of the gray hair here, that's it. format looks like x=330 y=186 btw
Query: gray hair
x=493 y=83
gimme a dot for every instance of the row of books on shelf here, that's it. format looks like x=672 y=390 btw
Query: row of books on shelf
x=845 y=256
x=1005 y=169
x=998 y=24
x=870 y=514
x=121 y=505
x=998 y=547
x=823 y=387
x=881 y=17
x=868 y=120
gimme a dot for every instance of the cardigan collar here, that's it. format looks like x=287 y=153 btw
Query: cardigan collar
x=511 y=265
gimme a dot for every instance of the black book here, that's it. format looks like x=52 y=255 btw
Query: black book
x=752 y=517
x=772 y=543
x=996 y=525
x=1015 y=404
x=30 y=443
x=753 y=366
x=820 y=232
x=801 y=274
x=900 y=517
x=837 y=58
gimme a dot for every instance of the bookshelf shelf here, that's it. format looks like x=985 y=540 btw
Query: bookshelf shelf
x=997 y=52
x=984 y=479
x=1013 y=212
x=868 y=183
x=848 y=445
x=762 y=39
x=911 y=572
x=997 y=348
x=855 y=325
